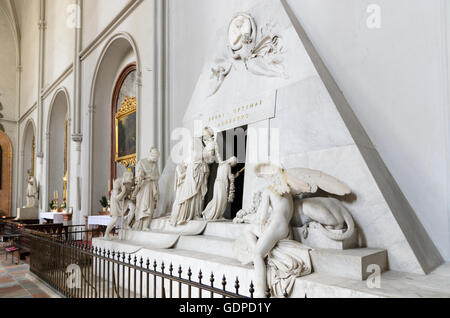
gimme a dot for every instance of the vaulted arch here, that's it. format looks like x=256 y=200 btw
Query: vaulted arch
x=119 y=52
x=58 y=146
x=28 y=157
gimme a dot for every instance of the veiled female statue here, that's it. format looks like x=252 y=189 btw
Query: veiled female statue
x=223 y=191
x=193 y=186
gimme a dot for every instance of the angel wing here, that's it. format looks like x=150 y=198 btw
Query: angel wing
x=316 y=179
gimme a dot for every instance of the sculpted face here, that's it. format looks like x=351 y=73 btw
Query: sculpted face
x=274 y=176
x=128 y=178
x=241 y=27
x=233 y=161
x=154 y=154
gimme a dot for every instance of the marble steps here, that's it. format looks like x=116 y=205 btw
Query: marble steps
x=218 y=240
x=392 y=284
x=339 y=268
x=319 y=284
x=207 y=244
x=225 y=229
x=352 y=263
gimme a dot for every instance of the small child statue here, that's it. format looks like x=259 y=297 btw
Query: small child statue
x=120 y=202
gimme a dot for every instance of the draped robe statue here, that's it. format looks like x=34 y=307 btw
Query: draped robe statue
x=120 y=202
x=147 y=190
x=32 y=191
x=192 y=179
x=223 y=192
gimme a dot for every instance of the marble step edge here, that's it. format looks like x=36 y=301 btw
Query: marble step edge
x=307 y=284
x=124 y=246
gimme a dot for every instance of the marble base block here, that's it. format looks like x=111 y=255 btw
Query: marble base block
x=351 y=263
x=317 y=239
x=27 y=213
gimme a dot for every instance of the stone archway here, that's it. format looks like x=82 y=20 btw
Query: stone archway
x=118 y=55
x=6 y=155
x=28 y=158
x=58 y=146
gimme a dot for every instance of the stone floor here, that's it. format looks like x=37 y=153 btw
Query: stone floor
x=16 y=281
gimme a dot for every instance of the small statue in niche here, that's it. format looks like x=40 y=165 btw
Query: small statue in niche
x=120 y=202
x=211 y=147
x=32 y=191
x=223 y=190
x=147 y=190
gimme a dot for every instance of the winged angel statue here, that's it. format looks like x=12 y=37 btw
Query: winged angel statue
x=268 y=239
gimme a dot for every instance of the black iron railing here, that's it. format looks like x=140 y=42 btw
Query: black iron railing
x=76 y=269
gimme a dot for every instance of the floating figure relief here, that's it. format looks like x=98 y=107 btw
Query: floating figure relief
x=263 y=57
x=223 y=191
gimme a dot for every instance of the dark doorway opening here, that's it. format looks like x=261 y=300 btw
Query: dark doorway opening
x=232 y=142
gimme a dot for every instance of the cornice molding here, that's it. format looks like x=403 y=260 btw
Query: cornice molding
x=27 y=113
x=50 y=88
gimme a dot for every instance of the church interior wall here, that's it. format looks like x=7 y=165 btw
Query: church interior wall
x=59 y=39
x=8 y=92
x=99 y=14
x=121 y=55
x=28 y=16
